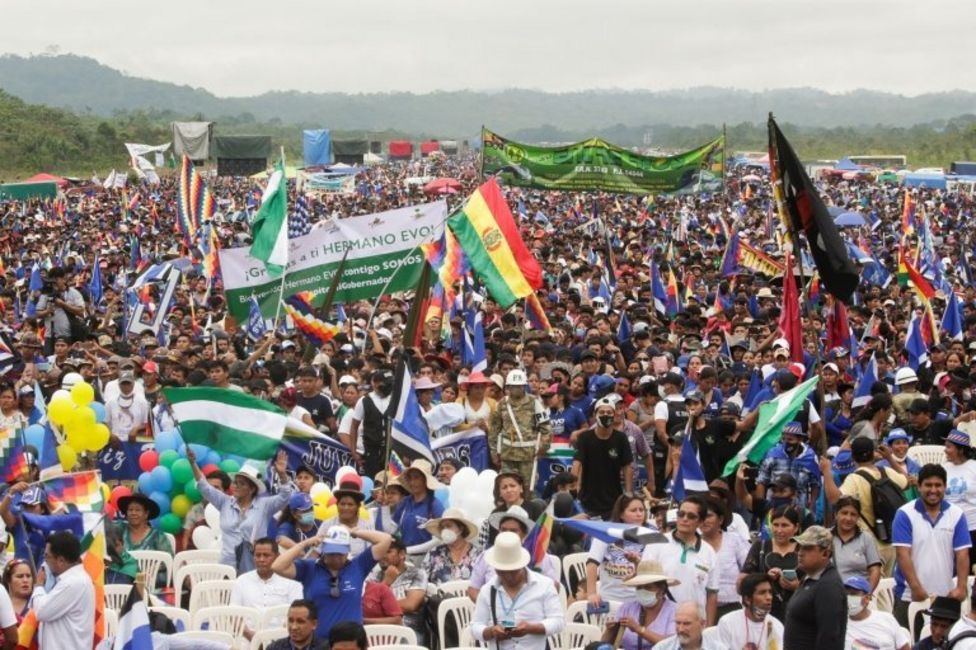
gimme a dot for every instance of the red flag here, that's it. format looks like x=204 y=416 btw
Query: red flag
x=789 y=319
x=838 y=329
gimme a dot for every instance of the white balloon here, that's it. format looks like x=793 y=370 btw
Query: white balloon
x=342 y=471
x=203 y=538
x=486 y=481
x=60 y=393
x=317 y=488
x=212 y=515
x=464 y=478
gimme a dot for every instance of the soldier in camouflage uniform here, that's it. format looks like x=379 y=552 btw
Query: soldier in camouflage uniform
x=518 y=428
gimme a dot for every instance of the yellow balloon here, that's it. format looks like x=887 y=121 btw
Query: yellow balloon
x=60 y=410
x=331 y=511
x=75 y=436
x=363 y=513
x=106 y=493
x=68 y=457
x=180 y=505
x=82 y=393
x=319 y=511
x=322 y=498
x=84 y=418
x=98 y=436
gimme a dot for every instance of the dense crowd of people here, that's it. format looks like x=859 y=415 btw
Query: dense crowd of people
x=856 y=530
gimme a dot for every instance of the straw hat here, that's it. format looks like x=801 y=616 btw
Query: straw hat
x=422 y=466
x=424 y=383
x=649 y=572
x=507 y=554
x=251 y=474
x=433 y=526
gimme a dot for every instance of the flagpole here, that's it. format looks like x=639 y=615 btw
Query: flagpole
x=284 y=271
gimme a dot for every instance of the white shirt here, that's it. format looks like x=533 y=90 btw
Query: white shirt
x=537 y=602
x=613 y=569
x=965 y=624
x=66 y=613
x=961 y=489
x=251 y=591
x=696 y=567
x=7 y=616
x=111 y=390
x=879 y=630
x=121 y=419
x=735 y=629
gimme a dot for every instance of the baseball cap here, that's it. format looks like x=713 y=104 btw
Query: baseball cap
x=127 y=377
x=816 y=536
x=785 y=480
x=920 y=405
x=897 y=434
x=300 y=501
x=857 y=583
x=347 y=379
x=337 y=541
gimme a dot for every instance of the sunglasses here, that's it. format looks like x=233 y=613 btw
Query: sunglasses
x=684 y=514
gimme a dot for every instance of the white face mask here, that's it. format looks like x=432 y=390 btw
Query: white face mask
x=854 y=605
x=646 y=598
x=448 y=536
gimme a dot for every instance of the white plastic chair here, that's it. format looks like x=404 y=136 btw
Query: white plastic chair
x=925 y=454
x=575 y=635
x=576 y=613
x=460 y=608
x=201 y=572
x=276 y=616
x=172 y=540
x=111 y=622
x=392 y=635
x=149 y=564
x=179 y=616
x=452 y=588
x=116 y=595
x=884 y=596
x=915 y=608
x=467 y=641
x=925 y=633
x=263 y=638
x=195 y=556
x=574 y=564
x=209 y=593
x=226 y=618
x=206 y=635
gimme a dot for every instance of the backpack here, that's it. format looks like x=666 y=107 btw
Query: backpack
x=887 y=498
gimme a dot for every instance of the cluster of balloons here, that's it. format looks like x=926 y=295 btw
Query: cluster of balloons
x=323 y=501
x=167 y=477
x=80 y=419
x=471 y=492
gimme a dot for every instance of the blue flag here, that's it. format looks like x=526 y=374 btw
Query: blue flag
x=659 y=293
x=473 y=351
x=612 y=531
x=410 y=436
x=95 y=284
x=915 y=348
x=36 y=281
x=690 y=476
x=624 y=331
x=256 y=328
x=952 y=318
x=862 y=391
x=134 y=631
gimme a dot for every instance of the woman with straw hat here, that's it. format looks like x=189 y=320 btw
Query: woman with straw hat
x=455 y=556
x=649 y=617
x=418 y=507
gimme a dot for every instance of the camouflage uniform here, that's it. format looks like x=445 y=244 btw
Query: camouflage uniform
x=516 y=446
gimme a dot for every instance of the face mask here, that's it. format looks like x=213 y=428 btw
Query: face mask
x=792 y=448
x=307 y=518
x=854 y=605
x=448 y=536
x=385 y=387
x=759 y=612
x=646 y=598
x=606 y=421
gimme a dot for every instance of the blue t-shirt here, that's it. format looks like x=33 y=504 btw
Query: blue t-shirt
x=317 y=585
x=584 y=404
x=564 y=422
x=296 y=533
x=411 y=515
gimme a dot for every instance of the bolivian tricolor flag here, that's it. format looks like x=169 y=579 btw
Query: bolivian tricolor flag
x=487 y=233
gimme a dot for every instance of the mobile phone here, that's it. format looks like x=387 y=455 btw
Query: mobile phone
x=604 y=608
x=789 y=574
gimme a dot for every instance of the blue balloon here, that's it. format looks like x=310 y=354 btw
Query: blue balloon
x=443 y=495
x=213 y=458
x=181 y=450
x=200 y=450
x=162 y=500
x=162 y=480
x=368 y=487
x=99 y=409
x=166 y=440
x=145 y=482
x=34 y=436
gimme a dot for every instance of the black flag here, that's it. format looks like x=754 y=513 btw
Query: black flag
x=808 y=214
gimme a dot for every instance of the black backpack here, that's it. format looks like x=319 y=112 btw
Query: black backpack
x=887 y=498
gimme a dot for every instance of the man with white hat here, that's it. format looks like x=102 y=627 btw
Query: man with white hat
x=520 y=608
x=906 y=382
x=518 y=430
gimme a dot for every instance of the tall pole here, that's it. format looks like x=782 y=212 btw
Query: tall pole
x=284 y=272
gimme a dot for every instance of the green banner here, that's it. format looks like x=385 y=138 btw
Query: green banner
x=595 y=164
x=383 y=257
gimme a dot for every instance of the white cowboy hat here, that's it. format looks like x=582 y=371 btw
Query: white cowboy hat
x=649 y=572
x=254 y=476
x=422 y=466
x=433 y=526
x=517 y=513
x=507 y=554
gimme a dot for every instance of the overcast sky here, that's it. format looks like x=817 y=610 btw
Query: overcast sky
x=245 y=47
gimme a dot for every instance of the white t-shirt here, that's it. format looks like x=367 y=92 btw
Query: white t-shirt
x=614 y=568
x=965 y=624
x=735 y=630
x=961 y=489
x=879 y=630
x=696 y=567
x=7 y=615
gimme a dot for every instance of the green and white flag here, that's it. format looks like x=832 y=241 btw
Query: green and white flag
x=773 y=416
x=269 y=231
x=228 y=421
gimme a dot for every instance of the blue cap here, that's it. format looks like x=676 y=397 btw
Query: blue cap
x=794 y=428
x=858 y=583
x=300 y=501
x=959 y=438
x=33 y=496
x=897 y=434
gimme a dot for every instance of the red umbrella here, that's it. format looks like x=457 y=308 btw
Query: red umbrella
x=443 y=186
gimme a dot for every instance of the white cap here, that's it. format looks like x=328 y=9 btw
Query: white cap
x=905 y=376
x=516 y=377
x=347 y=379
x=71 y=379
x=781 y=343
x=384 y=333
x=832 y=366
